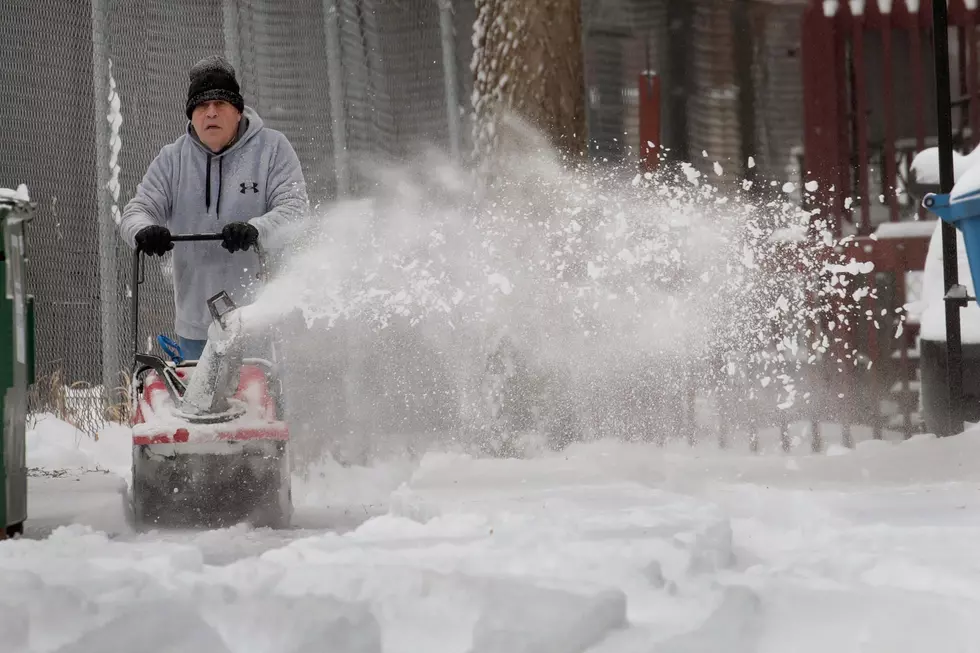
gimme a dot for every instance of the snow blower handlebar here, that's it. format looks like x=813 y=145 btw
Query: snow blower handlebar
x=138 y=275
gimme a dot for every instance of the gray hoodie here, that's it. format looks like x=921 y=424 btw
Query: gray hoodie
x=190 y=189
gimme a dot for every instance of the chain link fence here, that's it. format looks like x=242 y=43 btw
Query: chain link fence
x=49 y=144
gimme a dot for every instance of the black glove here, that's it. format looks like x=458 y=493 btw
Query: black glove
x=238 y=235
x=154 y=240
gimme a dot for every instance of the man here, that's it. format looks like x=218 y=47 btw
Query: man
x=229 y=174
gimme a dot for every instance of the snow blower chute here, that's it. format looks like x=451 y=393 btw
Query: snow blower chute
x=209 y=437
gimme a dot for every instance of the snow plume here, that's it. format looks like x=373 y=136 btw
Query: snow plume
x=562 y=301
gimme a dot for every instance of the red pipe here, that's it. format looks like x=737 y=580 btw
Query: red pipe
x=649 y=86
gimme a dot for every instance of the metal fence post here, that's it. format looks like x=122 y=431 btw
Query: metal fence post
x=109 y=294
x=954 y=350
x=744 y=53
x=230 y=27
x=450 y=75
x=335 y=72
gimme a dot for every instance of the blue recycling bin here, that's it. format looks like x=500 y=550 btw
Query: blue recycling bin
x=963 y=212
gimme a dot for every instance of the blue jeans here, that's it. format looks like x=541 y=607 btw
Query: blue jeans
x=191 y=349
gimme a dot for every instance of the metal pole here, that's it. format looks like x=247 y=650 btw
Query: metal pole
x=109 y=294
x=678 y=78
x=954 y=345
x=587 y=10
x=744 y=49
x=338 y=116
x=231 y=30
x=450 y=75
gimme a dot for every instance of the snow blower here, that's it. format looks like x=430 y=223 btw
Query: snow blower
x=209 y=437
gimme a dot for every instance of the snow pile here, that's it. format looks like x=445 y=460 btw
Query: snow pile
x=74 y=478
x=508 y=573
x=55 y=446
x=19 y=195
x=931 y=309
x=238 y=626
x=925 y=165
x=553 y=298
x=327 y=494
x=608 y=546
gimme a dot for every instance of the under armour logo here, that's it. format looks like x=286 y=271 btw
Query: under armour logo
x=252 y=186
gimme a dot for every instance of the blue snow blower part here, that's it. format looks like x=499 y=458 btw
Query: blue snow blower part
x=171 y=349
x=963 y=213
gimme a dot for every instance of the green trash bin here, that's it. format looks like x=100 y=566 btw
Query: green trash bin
x=16 y=359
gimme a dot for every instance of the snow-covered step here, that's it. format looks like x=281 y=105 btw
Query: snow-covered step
x=914 y=386
x=913 y=354
x=898 y=422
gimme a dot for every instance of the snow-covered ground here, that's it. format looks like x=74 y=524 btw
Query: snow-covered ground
x=606 y=547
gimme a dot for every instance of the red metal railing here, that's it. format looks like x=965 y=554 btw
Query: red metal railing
x=869 y=107
x=863 y=109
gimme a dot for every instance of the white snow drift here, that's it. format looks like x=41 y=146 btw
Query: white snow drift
x=605 y=547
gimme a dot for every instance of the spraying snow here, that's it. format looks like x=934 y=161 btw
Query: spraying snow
x=549 y=298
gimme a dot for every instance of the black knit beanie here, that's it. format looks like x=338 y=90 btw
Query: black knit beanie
x=213 y=78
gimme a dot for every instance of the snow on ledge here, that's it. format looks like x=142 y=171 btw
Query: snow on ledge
x=831 y=7
x=19 y=195
x=906 y=229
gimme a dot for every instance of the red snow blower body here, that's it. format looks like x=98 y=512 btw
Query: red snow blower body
x=210 y=443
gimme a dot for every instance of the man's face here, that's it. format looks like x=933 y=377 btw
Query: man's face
x=216 y=123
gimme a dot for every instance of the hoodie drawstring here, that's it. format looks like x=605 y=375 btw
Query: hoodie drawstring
x=207 y=188
x=217 y=206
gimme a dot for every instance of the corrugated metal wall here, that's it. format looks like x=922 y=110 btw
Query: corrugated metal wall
x=622 y=39
x=714 y=127
x=778 y=78
x=693 y=47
